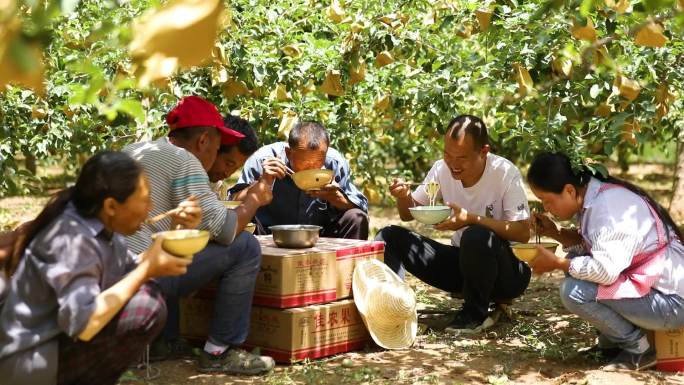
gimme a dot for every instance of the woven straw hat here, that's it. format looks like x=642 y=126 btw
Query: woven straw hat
x=386 y=303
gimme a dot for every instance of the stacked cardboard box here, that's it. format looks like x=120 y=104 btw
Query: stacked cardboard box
x=320 y=274
x=670 y=350
x=299 y=309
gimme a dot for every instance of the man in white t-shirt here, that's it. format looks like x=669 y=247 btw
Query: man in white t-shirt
x=490 y=210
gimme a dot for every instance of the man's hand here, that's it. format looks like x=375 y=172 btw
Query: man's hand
x=332 y=194
x=260 y=192
x=458 y=219
x=273 y=168
x=189 y=214
x=400 y=189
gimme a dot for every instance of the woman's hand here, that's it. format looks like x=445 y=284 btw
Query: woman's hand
x=543 y=225
x=546 y=261
x=188 y=215
x=159 y=263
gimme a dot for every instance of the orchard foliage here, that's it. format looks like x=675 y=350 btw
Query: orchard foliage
x=385 y=77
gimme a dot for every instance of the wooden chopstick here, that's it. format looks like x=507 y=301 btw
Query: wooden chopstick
x=157 y=218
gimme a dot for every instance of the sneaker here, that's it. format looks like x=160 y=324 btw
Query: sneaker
x=464 y=321
x=598 y=353
x=632 y=361
x=235 y=361
x=163 y=349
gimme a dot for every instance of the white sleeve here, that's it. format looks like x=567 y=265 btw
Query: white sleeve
x=611 y=253
x=514 y=201
x=420 y=194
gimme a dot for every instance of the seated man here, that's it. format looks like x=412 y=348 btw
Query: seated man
x=340 y=208
x=232 y=156
x=177 y=169
x=490 y=210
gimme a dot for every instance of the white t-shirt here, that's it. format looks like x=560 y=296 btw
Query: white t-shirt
x=499 y=194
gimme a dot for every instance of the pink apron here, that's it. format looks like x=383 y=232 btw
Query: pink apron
x=644 y=271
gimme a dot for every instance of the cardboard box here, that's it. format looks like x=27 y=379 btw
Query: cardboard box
x=294 y=277
x=313 y=331
x=299 y=277
x=286 y=334
x=347 y=253
x=670 y=349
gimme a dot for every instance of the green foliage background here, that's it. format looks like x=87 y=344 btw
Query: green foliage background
x=444 y=65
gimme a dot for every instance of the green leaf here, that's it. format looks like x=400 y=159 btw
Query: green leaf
x=133 y=108
x=586 y=7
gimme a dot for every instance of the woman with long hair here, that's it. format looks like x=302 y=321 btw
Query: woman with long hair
x=78 y=309
x=625 y=265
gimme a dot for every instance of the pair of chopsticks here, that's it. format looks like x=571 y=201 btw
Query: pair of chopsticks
x=157 y=218
x=537 y=237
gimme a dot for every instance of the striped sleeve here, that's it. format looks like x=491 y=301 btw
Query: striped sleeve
x=611 y=253
x=191 y=179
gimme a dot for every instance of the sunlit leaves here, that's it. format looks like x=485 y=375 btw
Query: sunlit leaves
x=650 y=35
x=182 y=33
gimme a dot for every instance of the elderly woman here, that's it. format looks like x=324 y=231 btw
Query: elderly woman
x=625 y=266
x=78 y=309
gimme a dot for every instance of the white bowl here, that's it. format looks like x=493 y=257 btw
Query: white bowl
x=430 y=215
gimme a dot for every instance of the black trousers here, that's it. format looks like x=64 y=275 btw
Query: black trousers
x=352 y=224
x=483 y=268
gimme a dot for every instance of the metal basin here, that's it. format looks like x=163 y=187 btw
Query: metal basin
x=295 y=236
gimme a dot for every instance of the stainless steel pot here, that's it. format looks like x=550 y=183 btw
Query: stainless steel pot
x=295 y=236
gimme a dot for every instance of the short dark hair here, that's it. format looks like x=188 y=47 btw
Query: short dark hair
x=313 y=132
x=187 y=134
x=471 y=125
x=247 y=145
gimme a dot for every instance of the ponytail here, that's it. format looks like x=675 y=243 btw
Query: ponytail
x=107 y=174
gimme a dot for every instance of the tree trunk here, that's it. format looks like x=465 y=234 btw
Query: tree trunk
x=677 y=203
x=30 y=163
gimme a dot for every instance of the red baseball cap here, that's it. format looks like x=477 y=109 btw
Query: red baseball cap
x=193 y=111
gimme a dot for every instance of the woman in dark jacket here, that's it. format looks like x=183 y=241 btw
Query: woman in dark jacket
x=78 y=309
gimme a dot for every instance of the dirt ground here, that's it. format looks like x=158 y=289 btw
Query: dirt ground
x=537 y=346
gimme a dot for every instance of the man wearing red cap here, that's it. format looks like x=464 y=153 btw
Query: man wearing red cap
x=176 y=167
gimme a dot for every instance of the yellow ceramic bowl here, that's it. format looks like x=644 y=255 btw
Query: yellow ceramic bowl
x=528 y=251
x=231 y=204
x=312 y=179
x=183 y=243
